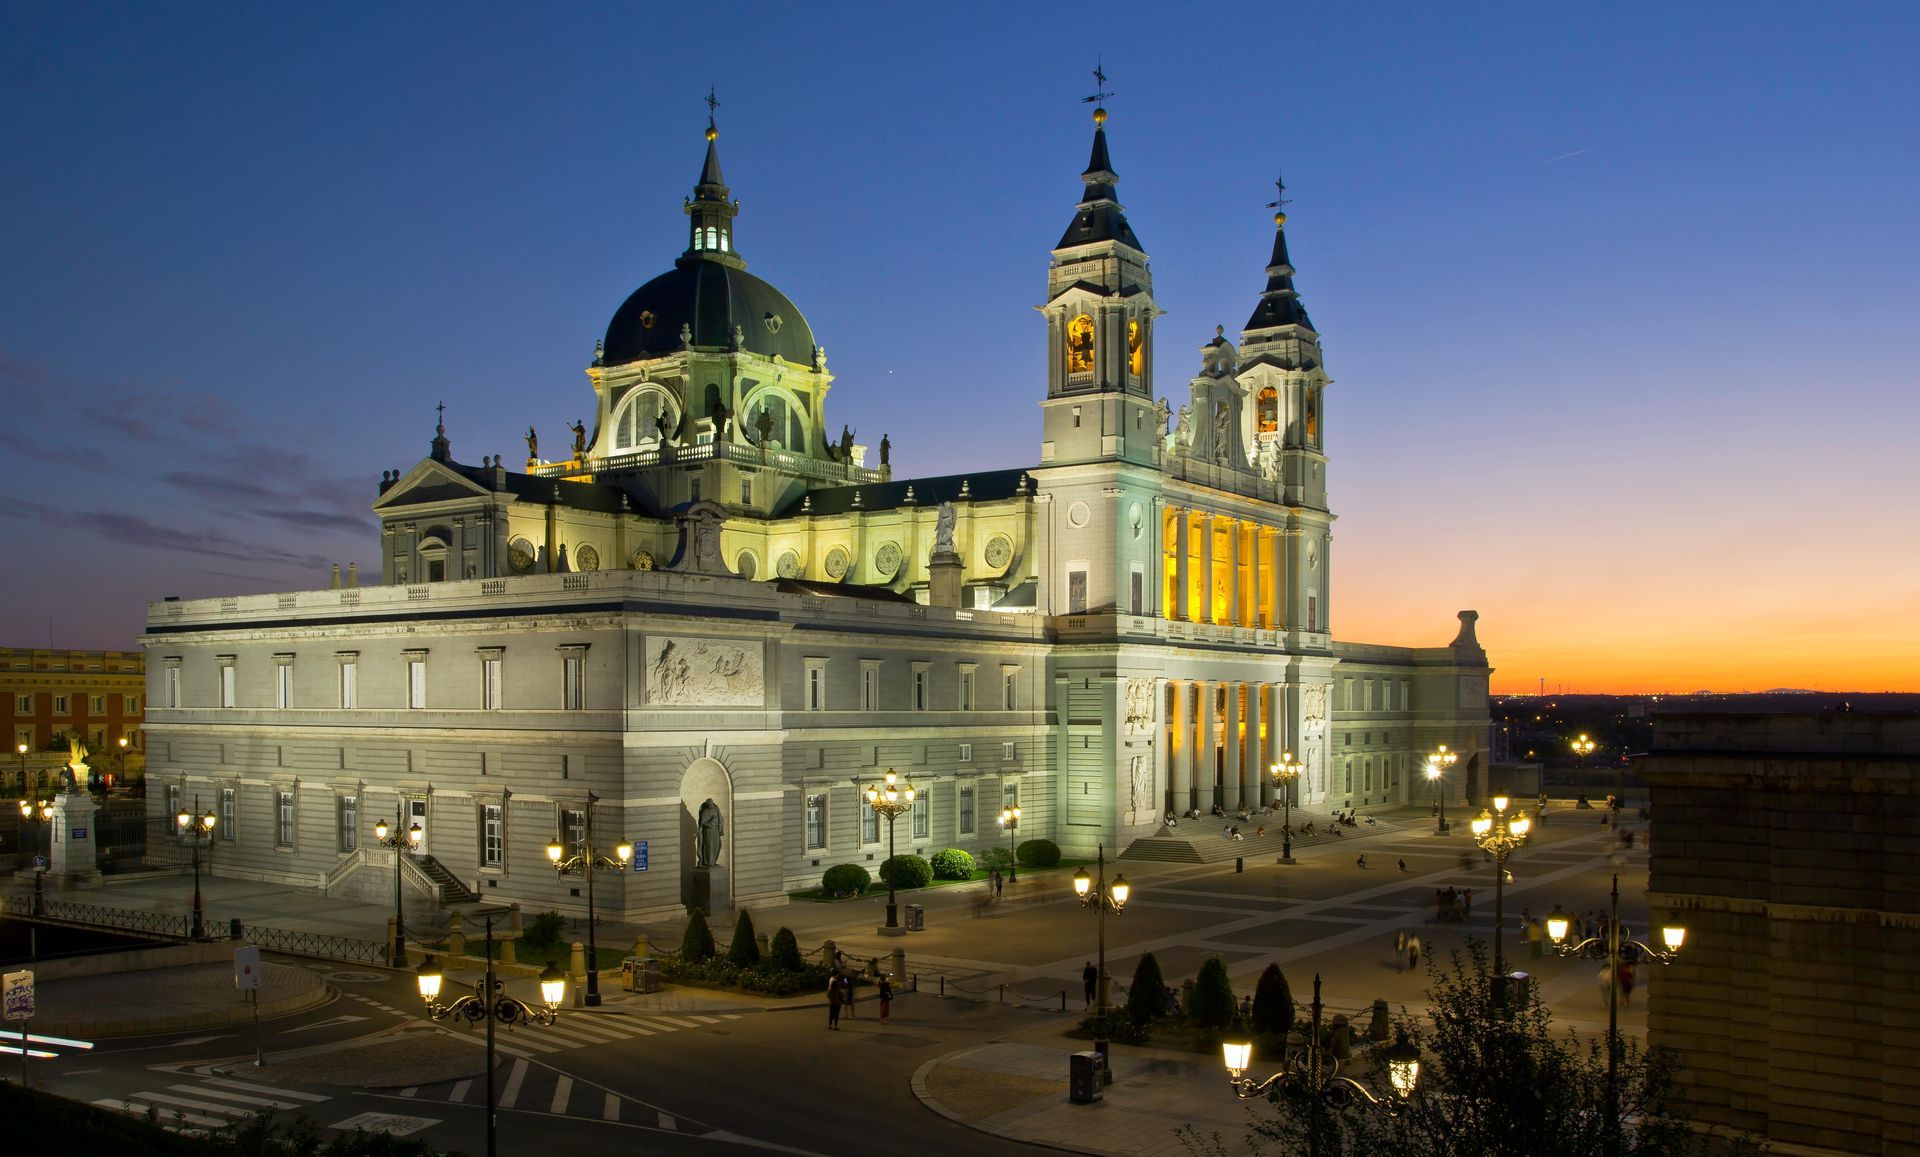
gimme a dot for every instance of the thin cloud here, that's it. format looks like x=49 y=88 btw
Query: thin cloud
x=1564 y=156
x=133 y=530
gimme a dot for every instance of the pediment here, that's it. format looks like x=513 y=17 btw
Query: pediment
x=429 y=482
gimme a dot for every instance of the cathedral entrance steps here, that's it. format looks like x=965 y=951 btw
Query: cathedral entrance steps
x=1207 y=846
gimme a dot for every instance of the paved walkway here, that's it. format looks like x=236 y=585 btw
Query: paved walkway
x=168 y=1000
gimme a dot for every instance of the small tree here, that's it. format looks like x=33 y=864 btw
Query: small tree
x=542 y=933
x=784 y=952
x=1272 y=1003
x=745 y=950
x=1211 y=1005
x=1147 y=999
x=697 y=944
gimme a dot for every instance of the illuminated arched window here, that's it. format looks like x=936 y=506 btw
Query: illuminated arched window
x=1136 y=356
x=1268 y=411
x=1313 y=417
x=1080 y=345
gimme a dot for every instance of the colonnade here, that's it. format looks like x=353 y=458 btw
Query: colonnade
x=1219 y=739
x=1222 y=570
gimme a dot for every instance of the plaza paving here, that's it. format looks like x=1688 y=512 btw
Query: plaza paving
x=1324 y=915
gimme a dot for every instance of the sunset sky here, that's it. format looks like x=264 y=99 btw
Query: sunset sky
x=1611 y=294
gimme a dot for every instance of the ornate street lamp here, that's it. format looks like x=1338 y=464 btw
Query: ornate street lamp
x=1437 y=765
x=1009 y=820
x=892 y=799
x=586 y=863
x=1285 y=774
x=1583 y=747
x=400 y=845
x=487 y=1002
x=1094 y=892
x=197 y=831
x=1315 y=1071
x=1613 y=947
x=1500 y=835
x=38 y=812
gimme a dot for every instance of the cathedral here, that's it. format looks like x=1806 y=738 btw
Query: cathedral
x=707 y=623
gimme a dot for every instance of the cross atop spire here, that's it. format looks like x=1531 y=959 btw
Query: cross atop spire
x=713 y=106
x=1280 y=198
x=1100 y=94
x=442 y=424
x=442 y=449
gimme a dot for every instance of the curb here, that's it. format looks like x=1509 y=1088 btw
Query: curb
x=219 y=1018
x=918 y=1085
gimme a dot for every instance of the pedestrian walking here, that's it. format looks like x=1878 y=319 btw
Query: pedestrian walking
x=851 y=982
x=835 y=998
x=886 y=999
x=999 y=882
x=1626 y=982
x=1089 y=980
x=1466 y=908
x=1413 y=951
x=1403 y=866
x=1400 y=950
x=1362 y=861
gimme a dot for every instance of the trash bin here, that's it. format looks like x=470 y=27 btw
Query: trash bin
x=916 y=918
x=640 y=974
x=1087 y=1080
x=1512 y=989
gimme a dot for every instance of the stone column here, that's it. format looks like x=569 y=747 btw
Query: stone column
x=1231 y=786
x=1178 y=735
x=1255 y=773
x=1277 y=592
x=1182 y=567
x=1233 y=570
x=1203 y=751
x=1162 y=735
x=1205 y=610
x=1256 y=574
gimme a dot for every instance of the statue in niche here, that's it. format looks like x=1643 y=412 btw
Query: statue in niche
x=661 y=424
x=713 y=829
x=763 y=425
x=1140 y=783
x=720 y=417
x=1161 y=412
x=579 y=429
x=943 y=529
x=1222 y=431
x=533 y=445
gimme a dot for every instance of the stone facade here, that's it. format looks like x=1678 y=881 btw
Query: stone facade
x=713 y=596
x=1789 y=846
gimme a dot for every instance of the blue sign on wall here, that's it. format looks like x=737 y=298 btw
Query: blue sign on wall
x=79 y=833
x=639 y=855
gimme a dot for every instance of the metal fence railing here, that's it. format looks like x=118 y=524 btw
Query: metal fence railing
x=95 y=916
x=326 y=947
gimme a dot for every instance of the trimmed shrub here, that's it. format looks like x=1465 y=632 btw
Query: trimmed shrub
x=952 y=864
x=845 y=880
x=1211 y=1004
x=1272 y=1003
x=744 y=951
x=543 y=931
x=1039 y=854
x=783 y=954
x=1115 y=1026
x=697 y=944
x=907 y=871
x=1147 y=999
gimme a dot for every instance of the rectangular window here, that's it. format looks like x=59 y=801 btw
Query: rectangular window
x=869 y=825
x=229 y=812
x=493 y=836
x=1006 y=751
x=573 y=680
x=132 y=704
x=816 y=822
x=285 y=838
x=1313 y=613
x=919 y=686
x=229 y=682
x=869 y=686
x=746 y=492
x=349 y=822
x=1010 y=690
x=573 y=832
x=416 y=684
x=1009 y=795
x=283 y=685
x=693 y=490
x=99 y=705
x=23 y=705
x=816 y=684
x=1137 y=592
x=921 y=824
x=490 y=682
x=1077 y=591
x=60 y=704
x=966 y=687
x=173 y=801
x=966 y=811
x=966 y=753
x=171 y=695
x=349 y=685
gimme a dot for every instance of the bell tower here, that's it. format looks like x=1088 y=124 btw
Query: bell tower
x=1100 y=313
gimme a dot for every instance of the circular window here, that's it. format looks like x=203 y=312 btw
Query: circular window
x=999 y=551
x=643 y=560
x=789 y=565
x=1136 y=518
x=746 y=566
x=886 y=560
x=836 y=563
x=1079 y=514
x=586 y=559
x=520 y=556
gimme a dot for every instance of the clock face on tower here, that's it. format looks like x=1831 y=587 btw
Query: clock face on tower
x=1134 y=358
x=1080 y=345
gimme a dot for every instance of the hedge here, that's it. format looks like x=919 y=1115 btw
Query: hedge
x=1039 y=854
x=908 y=871
x=952 y=864
x=845 y=879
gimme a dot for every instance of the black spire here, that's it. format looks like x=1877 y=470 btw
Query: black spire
x=1280 y=301
x=1100 y=216
x=711 y=235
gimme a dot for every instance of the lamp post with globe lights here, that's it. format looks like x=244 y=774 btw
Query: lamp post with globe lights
x=401 y=842
x=40 y=814
x=1285 y=774
x=196 y=830
x=891 y=799
x=1096 y=893
x=1500 y=835
x=1614 y=947
x=587 y=862
x=1437 y=765
x=1010 y=820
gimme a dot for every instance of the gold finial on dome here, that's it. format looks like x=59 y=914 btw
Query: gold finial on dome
x=1099 y=116
x=1279 y=220
x=713 y=106
x=712 y=133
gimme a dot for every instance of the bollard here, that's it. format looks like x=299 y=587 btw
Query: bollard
x=829 y=955
x=456 y=939
x=899 y=970
x=943 y=984
x=1377 y=1027
x=235 y=930
x=760 y=942
x=1003 y=994
x=640 y=947
x=1239 y=864
x=577 y=971
x=1063 y=1000
x=390 y=952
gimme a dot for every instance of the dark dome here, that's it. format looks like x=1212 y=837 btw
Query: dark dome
x=712 y=298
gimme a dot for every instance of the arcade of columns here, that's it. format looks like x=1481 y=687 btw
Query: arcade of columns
x=1222 y=570
x=1217 y=740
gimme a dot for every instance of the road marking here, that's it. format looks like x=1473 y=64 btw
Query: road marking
x=195 y=1040
x=512 y=1092
x=189 y=1102
x=248 y=1086
x=680 y=1023
x=329 y=1023
x=605 y=1032
x=139 y=1109
x=410 y=1090
x=241 y=1097
x=562 y=1091
x=667 y=1122
x=707 y=1019
x=612 y=1111
x=459 y=1092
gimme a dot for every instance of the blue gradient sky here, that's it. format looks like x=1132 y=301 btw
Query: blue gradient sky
x=1611 y=293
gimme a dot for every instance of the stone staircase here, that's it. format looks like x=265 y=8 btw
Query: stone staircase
x=1200 y=842
x=451 y=890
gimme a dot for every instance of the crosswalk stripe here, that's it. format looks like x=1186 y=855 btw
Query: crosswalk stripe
x=250 y=1087
x=139 y=1109
x=576 y=1036
x=241 y=1097
x=675 y=1021
x=562 y=1091
x=603 y=1029
x=164 y=1099
x=667 y=1122
x=525 y=1047
x=612 y=1111
x=512 y=1092
x=459 y=1092
x=707 y=1019
x=410 y=1090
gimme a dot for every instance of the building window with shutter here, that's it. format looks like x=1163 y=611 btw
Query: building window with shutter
x=965 y=820
x=493 y=836
x=349 y=823
x=491 y=686
x=284 y=837
x=816 y=822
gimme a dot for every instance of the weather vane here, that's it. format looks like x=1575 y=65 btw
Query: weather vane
x=1100 y=94
x=713 y=102
x=1280 y=197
